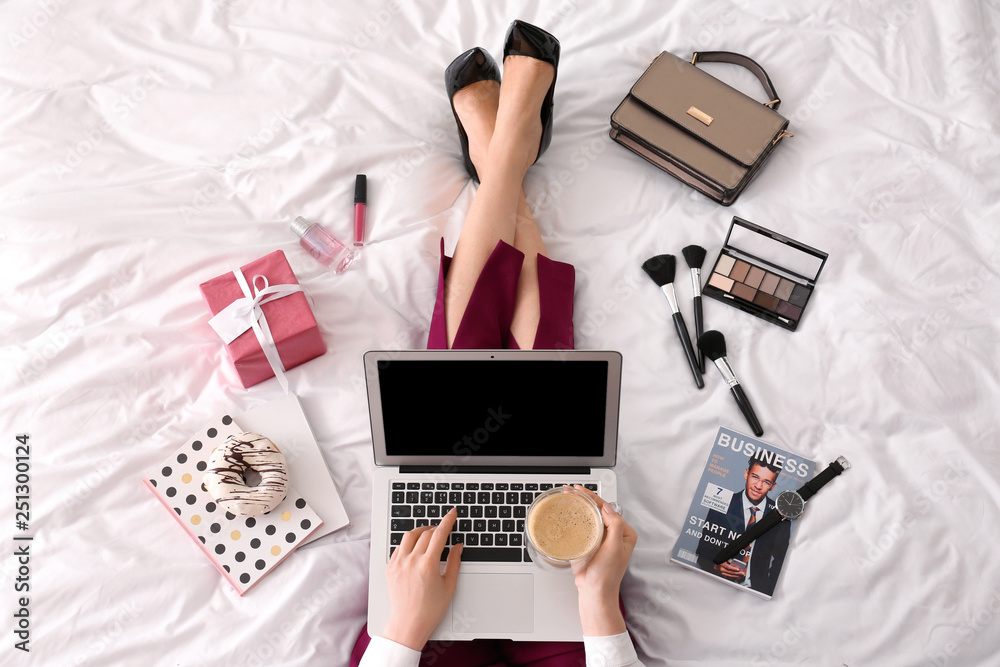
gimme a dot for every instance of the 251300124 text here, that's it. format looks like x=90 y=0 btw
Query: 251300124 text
x=22 y=542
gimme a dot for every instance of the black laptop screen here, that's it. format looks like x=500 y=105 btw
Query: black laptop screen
x=470 y=408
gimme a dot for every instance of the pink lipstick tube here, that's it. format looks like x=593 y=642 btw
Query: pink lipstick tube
x=360 y=208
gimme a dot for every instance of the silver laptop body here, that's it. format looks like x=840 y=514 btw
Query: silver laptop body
x=498 y=422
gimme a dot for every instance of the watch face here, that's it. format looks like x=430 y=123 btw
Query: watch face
x=790 y=504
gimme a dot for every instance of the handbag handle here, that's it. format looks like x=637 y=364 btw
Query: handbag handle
x=743 y=61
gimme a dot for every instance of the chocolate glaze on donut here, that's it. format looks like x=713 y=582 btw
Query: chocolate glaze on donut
x=229 y=465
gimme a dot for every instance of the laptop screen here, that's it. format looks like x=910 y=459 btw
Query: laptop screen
x=457 y=409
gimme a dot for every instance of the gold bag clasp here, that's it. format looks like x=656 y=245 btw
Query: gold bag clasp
x=695 y=112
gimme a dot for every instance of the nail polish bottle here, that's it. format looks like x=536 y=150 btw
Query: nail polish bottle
x=319 y=243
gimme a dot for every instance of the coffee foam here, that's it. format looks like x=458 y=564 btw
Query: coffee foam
x=564 y=526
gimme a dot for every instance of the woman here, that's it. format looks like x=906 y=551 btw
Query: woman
x=500 y=290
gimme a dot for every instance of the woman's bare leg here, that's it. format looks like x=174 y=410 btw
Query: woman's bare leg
x=504 y=158
x=527 y=307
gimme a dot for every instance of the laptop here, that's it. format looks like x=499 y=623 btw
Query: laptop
x=487 y=431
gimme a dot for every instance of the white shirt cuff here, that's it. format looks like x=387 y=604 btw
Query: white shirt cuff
x=382 y=652
x=610 y=651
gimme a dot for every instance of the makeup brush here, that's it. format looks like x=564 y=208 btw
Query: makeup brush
x=694 y=255
x=713 y=344
x=661 y=269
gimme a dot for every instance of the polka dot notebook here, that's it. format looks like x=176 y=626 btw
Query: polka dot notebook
x=244 y=549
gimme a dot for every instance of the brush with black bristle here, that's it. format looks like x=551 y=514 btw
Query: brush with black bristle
x=713 y=344
x=694 y=255
x=661 y=269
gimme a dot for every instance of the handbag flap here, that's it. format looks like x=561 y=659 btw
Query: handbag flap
x=720 y=115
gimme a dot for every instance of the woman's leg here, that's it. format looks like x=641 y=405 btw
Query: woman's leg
x=503 y=159
x=527 y=308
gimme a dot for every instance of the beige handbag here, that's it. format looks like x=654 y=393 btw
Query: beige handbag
x=697 y=128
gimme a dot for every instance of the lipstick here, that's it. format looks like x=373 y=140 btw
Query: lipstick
x=360 y=208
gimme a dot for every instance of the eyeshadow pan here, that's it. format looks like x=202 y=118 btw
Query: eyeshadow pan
x=769 y=283
x=799 y=296
x=754 y=277
x=725 y=265
x=788 y=310
x=723 y=283
x=766 y=300
x=784 y=290
x=739 y=271
x=744 y=292
x=765 y=274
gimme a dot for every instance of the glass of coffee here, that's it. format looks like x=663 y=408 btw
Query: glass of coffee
x=564 y=528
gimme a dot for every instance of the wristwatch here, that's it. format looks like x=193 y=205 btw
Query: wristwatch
x=788 y=505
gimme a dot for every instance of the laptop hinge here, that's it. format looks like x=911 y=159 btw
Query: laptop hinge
x=497 y=470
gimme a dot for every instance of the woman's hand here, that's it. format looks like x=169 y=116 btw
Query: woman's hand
x=599 y=581
x=418 y=591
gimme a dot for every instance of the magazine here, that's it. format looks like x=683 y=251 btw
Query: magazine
x=742 y=477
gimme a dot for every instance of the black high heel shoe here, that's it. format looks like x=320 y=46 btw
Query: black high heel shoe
x=524 y=39
x=472 y=66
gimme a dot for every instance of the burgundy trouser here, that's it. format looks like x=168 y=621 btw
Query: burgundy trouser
x=486 y=323
x=492 y=652
x=486 y=326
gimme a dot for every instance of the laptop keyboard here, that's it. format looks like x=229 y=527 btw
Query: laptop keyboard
x=490 y=515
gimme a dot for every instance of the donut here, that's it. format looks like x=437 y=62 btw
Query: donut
x=238 y=457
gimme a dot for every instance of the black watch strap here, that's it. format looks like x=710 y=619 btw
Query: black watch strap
x=766 y=523
x=819 y=481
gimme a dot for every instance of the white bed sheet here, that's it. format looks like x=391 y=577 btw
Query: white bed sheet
x=146 y=147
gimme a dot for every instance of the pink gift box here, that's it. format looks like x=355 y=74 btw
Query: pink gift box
x=293 y=326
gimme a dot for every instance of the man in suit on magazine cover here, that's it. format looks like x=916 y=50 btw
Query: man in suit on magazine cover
x=760 y=568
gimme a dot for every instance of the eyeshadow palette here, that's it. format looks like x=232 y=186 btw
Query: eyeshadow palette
x=764 y=273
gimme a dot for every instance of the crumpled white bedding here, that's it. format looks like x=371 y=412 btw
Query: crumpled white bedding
x=146 y=147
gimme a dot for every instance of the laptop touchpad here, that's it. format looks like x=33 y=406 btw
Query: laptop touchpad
x=494 y=603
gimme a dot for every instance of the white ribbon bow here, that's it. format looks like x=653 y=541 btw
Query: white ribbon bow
x=246 y=313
